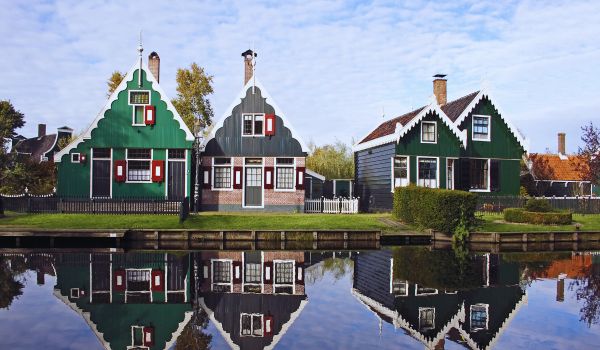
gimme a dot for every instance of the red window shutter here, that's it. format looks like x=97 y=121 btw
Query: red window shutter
x=268 y=273
x=269 y=177
x=238 y=177
x=206 y=174
x=150 y=115
x=269 y=124
x=157 y=281
x=148 y=336
x=268 y=325
x=300 y=178
x=237 y=272
x=120 y=170
x=158 y=170
x=119 y=281
x=299 y=275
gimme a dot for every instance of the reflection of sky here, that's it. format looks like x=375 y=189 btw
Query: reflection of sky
x=38 y=320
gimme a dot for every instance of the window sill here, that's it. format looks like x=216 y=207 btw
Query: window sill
x=138 y=125
x=222 y=189
x=139 y=182
x=253 y=135
x=481 y=190
x=481 y=140
x=429 y=142
x=284 y=190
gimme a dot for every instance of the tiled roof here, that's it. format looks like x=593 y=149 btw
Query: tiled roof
x=553 y=167
x=453 y=109
x=36 y=146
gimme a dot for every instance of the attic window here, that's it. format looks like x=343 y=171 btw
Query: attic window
x=481 y=127
x=428 y=132
x=479 y=317
x=139 y=99
x=251 y=325
x=253 y=125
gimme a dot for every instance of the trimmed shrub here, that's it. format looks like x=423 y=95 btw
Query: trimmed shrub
x=437 y=209
x=539 y=218
x=538 y=205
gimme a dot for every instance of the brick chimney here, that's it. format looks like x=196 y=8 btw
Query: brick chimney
x=41 y=130
x=561 y=143
x=439 y=88
x=248 y=71
x=154 y=65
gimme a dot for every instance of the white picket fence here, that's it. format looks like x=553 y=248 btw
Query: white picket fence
x=331 y=206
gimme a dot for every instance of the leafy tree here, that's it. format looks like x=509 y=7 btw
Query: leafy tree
x=587 y=290
x=37 y=178
x=334 y=161
x=113 y=82
x=589 y=167
x=10 y=287
x=193 y=88
x=65 y=141
x=192 y=337
x=10 y=121
x=541 y=170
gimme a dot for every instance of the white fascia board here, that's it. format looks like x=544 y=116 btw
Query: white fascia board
x=265 y=94
x=314 y=174
x=484 y=93
x=434 y=107
x=377 y=142
x=87 y=134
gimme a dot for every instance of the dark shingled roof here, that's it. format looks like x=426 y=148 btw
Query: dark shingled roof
x=453 y=109
x=36 y=146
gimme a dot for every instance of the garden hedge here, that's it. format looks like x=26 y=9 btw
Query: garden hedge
x=437 y=209
x=540 y=218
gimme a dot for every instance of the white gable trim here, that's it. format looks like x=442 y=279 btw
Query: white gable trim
x=229 y=111
x=433 y=107
x=87 y=134
x=314 y=174
x=378 y=141
x=484 y=93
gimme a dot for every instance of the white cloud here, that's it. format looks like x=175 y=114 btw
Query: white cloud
x=331 y=65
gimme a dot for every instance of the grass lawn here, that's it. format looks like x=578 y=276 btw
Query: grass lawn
x=495 y=223
x=208 y=221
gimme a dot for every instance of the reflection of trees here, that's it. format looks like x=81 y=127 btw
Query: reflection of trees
x=587 y=289
x=193 y=336
x=337 y=267
x=10 y=287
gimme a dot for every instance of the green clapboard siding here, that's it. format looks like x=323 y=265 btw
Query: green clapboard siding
x=115 y=131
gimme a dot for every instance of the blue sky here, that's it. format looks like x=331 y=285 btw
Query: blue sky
x=333 y=66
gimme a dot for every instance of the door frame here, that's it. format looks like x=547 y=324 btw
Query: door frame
x=185 y=172
x=262 y=184
x=454 y=160
x=110 y=172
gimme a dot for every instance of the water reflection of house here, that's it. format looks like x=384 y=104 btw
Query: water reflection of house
x=473 y=317
x=130 y=301
x=252 y=297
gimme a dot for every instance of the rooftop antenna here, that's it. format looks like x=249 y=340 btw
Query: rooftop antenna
x=140 y=50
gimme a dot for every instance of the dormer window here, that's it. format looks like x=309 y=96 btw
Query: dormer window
x=253 y=125
x=481 y=128
x=139 y=100
x=428 y=132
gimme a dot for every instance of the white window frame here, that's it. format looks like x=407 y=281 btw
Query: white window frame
x=134 y=159
x=254 y=115
x=420 y=294
x=437 y=175
x=212 y=274
x=132 y=339
x=425 y=309
x=212 y=179
x=78 y=158
x=293 y=284
x=393 y=182
x=293 y=166
x=487 y=317
x=76 y=295
x=435 y=136
x=489 y=178
x=454 y=160
x=138 y=104
x=489 y=135
x=262 y=325
x=149 y=291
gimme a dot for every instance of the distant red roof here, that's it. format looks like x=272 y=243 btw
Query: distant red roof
x=555 y=168
x=452 y=109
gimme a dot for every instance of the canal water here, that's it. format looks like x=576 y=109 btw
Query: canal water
x=398 y=297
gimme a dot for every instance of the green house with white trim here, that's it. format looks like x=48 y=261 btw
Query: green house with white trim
x=465 y=144
x=137 y=146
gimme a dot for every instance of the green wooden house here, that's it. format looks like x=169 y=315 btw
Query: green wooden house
x=466 y=144
x=137 y=146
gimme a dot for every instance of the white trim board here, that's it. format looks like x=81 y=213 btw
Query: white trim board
x=254 y=82
x=87 y=134
x=314 y=174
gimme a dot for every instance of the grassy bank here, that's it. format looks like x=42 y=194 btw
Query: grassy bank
x=496 y=223
x=203 y=221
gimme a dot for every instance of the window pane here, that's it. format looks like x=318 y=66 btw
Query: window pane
x=258 y=125
x=257 y=325
x=177 y=154
x=253 y=161
x=222 y=177
x=221 y=271
x=428 y=132
x=139 y=97
x=139 y=153
x=428 y=172
x=247 y=125
x=480 y=127
x=138 y=170
x=285 y=178
x=222 y=161
x=478 y=317
x=252 y=273
x=246 y=324
x=288 y=161
x=479 y=174
x=101 y=152
x=284 y=273
x=139 y=115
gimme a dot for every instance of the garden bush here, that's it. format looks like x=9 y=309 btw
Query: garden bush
x=538 y=205
x=539 y=218
x=437 y=209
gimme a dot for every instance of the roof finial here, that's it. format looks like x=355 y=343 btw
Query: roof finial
x=140 y=50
